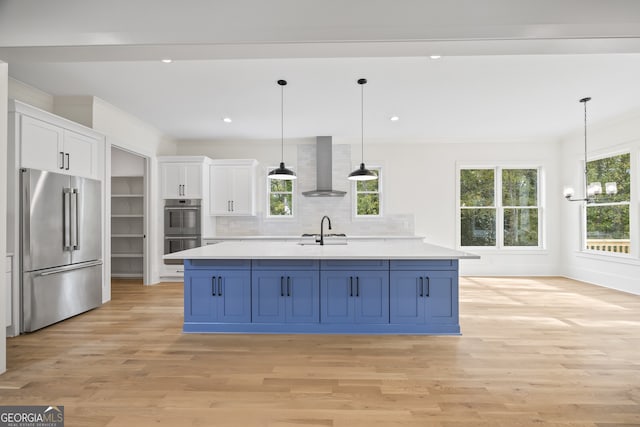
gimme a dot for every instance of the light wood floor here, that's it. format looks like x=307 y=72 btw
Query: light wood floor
x=534 y=352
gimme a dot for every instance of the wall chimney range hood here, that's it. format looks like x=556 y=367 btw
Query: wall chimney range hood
x=323 y=170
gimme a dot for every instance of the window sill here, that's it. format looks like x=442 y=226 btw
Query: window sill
x=495 y=251
x=609 y=257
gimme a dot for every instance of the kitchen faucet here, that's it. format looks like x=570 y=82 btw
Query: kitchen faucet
x=321 y=241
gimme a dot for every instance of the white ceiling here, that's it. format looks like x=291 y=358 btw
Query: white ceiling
x=512 y=69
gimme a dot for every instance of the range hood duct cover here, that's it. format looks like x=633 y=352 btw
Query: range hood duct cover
x=324 y=163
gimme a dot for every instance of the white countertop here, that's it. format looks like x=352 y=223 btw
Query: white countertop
x=407 y=249
x=350 y=237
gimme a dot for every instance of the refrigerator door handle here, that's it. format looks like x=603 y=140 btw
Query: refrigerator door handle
x=70 y=268
x=66 y=225
x=75 y=227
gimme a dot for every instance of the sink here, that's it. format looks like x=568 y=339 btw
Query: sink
x=329 y=239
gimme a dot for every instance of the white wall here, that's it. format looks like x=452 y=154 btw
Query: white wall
x=30 y=95
x=621 y=134
x=3 y=208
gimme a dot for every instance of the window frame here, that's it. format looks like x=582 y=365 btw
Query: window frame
x=294 y=203
x=380 y=192
x=500 y=208
x=585 y=205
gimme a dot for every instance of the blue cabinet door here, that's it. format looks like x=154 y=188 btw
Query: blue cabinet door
x=336 y=297
x=234 y=296
x=285 y=296
x=268 y=292
x=371 y=297
x=302 y=297
x=441 y=297
x=407 y=303
x=354 y=297
x=200 y=304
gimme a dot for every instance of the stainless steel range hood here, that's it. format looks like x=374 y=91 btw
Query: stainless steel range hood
x=323 y=170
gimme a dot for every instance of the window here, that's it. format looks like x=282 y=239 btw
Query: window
x=368 y=198
x=280 y=197
x=499 y=207
x=607 y=217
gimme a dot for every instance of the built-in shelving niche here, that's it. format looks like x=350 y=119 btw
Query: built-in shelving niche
x=127 y=215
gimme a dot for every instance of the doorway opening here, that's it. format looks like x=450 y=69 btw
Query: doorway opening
x=129 y=199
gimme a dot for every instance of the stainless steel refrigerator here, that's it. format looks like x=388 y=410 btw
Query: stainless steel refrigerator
x=61 y=246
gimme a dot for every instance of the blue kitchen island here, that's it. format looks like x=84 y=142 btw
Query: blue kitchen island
x=403 y=287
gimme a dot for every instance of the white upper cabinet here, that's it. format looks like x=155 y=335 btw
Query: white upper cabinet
x=232 y=187
x=80 y=153
x=52 y=148
x=181 y=180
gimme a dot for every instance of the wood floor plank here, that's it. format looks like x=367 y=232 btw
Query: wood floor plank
x=534 y=351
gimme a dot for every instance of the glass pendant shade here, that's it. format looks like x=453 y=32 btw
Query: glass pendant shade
x=362 y=173
x=282 y=172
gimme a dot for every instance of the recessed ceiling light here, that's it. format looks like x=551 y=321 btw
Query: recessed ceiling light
x=394 y=118
x=435 y=56
x=227 y=120
x=167 y=60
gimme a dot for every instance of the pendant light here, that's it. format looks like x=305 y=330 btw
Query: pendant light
x=282 y=172
x=362 y=173
x=594 y=189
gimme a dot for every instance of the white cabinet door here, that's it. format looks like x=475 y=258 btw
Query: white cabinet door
x=232 y=190
x=41 y=145
x=243 y=191
x=220 y=190
x=192 y=181
x=181 y=180
x=171 y=178
x=80 y=154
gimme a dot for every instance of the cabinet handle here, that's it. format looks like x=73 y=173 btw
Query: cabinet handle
x=61 y=160
x=219 y=286
x=232 y=207
x=288 y=286
x=350 y=286
x=67 y=154
x=427 y=279
x=421 y=287
x=213 y=286
x=281 y=286
x=357 y=286
x=228 y=205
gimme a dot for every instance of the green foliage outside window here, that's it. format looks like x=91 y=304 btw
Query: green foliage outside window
x=477 y=187
x=368 y=196
x=478 y=227
x=280 y=197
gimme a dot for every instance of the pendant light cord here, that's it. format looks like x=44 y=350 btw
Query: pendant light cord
x=282 y=123
x=362 y=121
x=586 y=182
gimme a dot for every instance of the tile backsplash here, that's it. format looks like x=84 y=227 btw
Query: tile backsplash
x=309 y=210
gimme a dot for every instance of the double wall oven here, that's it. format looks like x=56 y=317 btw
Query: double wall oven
x=181 y=226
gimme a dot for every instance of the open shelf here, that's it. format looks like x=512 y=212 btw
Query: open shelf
x=127 y=226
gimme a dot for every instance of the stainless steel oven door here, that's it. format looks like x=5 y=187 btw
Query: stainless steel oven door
x=176 y=244
x=181 y=221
